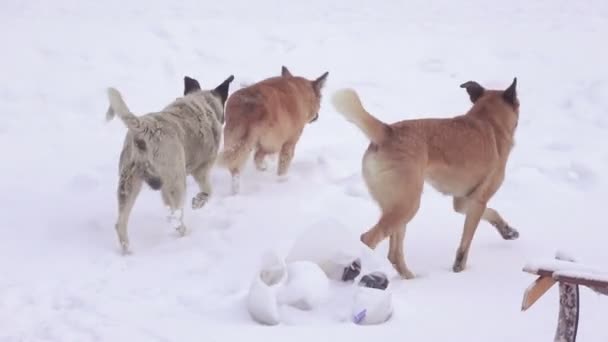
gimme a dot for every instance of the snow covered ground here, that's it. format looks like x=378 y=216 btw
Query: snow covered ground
x=62 y=277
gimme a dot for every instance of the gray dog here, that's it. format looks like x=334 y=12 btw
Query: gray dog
x=162 y=148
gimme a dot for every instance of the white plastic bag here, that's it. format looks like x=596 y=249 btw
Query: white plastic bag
x=329 y=245
x=306 y=288
x=262 y=301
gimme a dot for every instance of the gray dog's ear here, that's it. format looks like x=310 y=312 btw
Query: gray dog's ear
x=285 y=72
x=510 y=94
x=190 y=85
x=222 y=89
x=320 y=82
x=473 y=89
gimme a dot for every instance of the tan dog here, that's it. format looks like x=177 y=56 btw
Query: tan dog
x=464 y=156
x=269 y=116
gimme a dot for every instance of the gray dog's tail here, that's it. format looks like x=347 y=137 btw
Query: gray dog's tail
x=118 y=106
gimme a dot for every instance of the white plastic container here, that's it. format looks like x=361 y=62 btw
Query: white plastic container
x=371 y=306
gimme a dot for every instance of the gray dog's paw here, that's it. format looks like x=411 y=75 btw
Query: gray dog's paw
x=181 y=230
x=199 y=200
x=124 y=249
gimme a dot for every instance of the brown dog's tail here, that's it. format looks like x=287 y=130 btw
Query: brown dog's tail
x=238 y=144
x=347 y=102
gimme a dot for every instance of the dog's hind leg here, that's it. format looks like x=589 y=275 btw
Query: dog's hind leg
x=234 y=157
x=129 y=186
x=475 y=208
x=397 y=190
x=396 y=255
x=201 y=176
x=391 y=225
x=258 y=158
x=235 y=175
x=174 y=194
x=286 y=155
x=490 y=215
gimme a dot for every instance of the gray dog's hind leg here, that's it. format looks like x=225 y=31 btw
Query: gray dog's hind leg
x=129 y=187
x=201 y=175
x=174 y=194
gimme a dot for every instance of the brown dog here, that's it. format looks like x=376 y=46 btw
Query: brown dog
x=269 y=116
x=464 y=156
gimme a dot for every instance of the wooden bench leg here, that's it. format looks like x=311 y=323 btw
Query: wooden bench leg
x=567 y=326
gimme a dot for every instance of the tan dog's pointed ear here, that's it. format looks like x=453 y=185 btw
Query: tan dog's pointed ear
x=285 y=72
x=510 y=94
x=320 y=82
x=190 y=85
x=474 y=89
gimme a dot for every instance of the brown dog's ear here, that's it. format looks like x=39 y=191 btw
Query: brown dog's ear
x=190 y=85
x=222 y=89
x=510 y=94
x=474 y=89
x=285 y=72
x=320 y=82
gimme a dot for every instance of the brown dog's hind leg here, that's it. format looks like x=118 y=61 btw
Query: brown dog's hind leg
x=392 y=225
x=490 y=215
x=235 y=175
x=397 y=190
x=396 y=255
x=258 y=158
x=380 y=231
x=475 y=210
x=285 y=157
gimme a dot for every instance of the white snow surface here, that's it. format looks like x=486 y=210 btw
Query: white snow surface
x=62 y=277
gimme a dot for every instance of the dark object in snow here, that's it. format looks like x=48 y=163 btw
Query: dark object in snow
x=374 y=280
x=352 y=271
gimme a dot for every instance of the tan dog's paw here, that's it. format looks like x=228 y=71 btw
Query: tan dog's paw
x=261 y=165
x=507 y=232
x=407 y=275
x=199 y=200
x=460 y=262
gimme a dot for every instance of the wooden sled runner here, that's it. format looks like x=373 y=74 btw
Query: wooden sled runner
x=569 y=275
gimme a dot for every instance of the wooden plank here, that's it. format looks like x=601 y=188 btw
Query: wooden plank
x=536 y=290
x=597 y=285
x=582 y=281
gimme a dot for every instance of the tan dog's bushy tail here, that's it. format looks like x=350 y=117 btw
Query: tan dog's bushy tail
x=118 y=106
x=347 y=102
